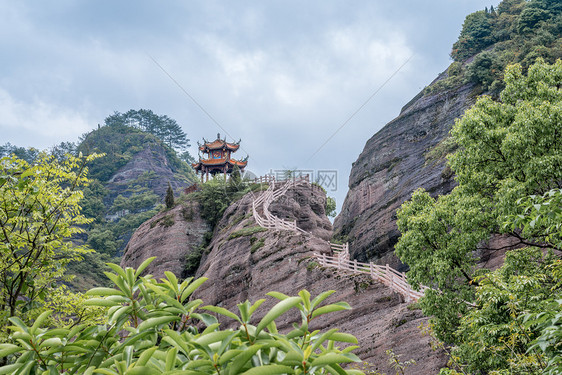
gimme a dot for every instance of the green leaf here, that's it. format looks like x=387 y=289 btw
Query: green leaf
x=240 y=360
x=174 y=338
x=7 y=349
x=277 y=310
x=18 y=322
x=119 y=282
x=255 y=306
x=333 y=358
x=118 y=313
x=321 y=297
x=100 y=302
x=142 y=370
x=145 y=356
x=117 y=269
x=320 y=340
x=54 y=341
x=105 y=371
x=11 y=369
x=336 y=369
x=104 y=292
x=344 y=337
x=278 y=295
x=293 y=358
x=134 y=338
x=228 y=355
x=143 y=266
x=39 y=321
x=222 y=311
x=152 y=322
x=212 y=337
x=171 y=358
x=173 y=279
x=305 y=296
x=169 y=300
x=330 y=308
x=192 y=287
x=269 y=370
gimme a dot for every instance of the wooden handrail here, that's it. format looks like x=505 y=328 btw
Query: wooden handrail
x=386 y=275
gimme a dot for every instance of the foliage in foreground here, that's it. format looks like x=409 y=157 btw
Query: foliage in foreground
x=155 y=327
x=39 y=213
x=508 y=171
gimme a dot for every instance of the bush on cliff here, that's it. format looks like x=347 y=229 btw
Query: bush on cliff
x=216 y=195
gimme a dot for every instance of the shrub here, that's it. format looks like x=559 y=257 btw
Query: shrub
x=256 y=245
x=215 y=196
x=246 y=232
x=155 y=327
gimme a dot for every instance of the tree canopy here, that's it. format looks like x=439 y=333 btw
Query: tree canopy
x=519 y=31
x=162 y=126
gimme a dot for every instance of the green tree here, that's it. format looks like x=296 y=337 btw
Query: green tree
x=476 y=34
x=103 y=241
x=484 y=69
x=494 y=336
x=235 y=181
x=27 y=154
x=215 y=196
x=39 y=213
x=62 y=149
x=515 y=326
x=508 y=150
x=169 y=199
x=92 y=204
x=530 y=17
x=155 y=327
x=161 y=126
x=330 y=207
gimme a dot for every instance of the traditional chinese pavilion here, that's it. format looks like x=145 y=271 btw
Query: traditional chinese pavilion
x=218 y=158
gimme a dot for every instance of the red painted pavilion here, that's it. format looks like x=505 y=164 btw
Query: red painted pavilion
x=218 y=158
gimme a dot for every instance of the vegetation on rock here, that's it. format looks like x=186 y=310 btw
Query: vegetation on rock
x=518 y=31
x=169 y=199
x=217 y=194
x=120 y=142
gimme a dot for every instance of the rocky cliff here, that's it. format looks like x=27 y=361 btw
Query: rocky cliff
x=172 y=236
x=244 y=261
x=149 y=168
x=408 y=153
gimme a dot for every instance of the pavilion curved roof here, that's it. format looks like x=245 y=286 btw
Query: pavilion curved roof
x=219 y=144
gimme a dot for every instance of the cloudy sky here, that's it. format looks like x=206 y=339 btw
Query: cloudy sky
x=283 y=76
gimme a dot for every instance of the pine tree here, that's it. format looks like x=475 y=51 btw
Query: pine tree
x=169 y=197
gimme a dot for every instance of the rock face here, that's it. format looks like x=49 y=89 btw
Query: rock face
x=244 y=261
x=152 y=167
x=395 y=162
x=171 y=236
